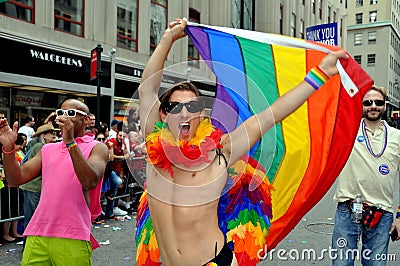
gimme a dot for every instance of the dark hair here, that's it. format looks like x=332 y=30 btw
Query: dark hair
x=20 y=139
x=98 y=133
x=103 y=128
x=183 y=86
x=28 y=119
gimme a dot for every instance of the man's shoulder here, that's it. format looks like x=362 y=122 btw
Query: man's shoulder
x=392 y=129
x=22 y=129
x=37 y=145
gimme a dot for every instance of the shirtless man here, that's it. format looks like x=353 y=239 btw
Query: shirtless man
x=183 y=207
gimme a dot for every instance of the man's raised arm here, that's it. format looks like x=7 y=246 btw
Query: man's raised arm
x=152 y=75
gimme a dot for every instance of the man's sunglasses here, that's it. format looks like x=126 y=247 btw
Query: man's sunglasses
x=53 y=132
x=368 y=103
x=69 y=112
x=176 y=107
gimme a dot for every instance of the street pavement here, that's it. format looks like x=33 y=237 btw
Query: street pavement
x=116 y=238
x=313 y=233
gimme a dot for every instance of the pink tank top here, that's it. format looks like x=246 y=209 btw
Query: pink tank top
x=62 y=211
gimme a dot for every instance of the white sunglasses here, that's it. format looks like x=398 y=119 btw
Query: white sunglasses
x=69 y=112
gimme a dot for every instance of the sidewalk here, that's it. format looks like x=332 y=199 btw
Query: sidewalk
x=120 y=251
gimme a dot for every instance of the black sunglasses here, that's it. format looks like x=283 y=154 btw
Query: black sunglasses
x=101 y=139
x=370 y=102
x=176 y=107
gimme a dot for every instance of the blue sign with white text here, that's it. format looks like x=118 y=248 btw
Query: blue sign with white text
x=324 y=33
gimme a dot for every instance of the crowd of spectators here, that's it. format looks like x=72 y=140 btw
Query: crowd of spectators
x=125 y=142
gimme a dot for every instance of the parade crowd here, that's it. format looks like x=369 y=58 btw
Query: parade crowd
x=69 y=173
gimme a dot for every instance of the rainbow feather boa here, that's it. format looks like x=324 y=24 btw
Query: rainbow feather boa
x=244 y=215
x=164 y=150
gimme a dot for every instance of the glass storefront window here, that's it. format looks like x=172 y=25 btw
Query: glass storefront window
x=158 y=21
x=68 y=16
x=20 y=9
x=127 y=24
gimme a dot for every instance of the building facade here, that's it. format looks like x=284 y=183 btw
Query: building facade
x=373 y=40
x=47 y=45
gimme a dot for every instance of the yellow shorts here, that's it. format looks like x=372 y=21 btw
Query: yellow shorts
x=40 y=250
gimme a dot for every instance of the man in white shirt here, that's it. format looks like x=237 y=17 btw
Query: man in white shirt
x=27 y=129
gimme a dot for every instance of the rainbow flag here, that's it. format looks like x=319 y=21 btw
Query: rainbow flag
x=294 y=164
x=304 y=153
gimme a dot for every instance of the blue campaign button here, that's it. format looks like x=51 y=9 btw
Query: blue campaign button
x=384 y=169
x=360 y=138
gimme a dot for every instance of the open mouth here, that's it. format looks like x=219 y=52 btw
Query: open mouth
x=184 y=129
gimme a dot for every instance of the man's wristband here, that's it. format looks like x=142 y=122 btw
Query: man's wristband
x=7 y=152
x=316 y=77
x=71 y=145
x=398 y=213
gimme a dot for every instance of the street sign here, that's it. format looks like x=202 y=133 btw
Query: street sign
x=323 y=33
x=93 y=64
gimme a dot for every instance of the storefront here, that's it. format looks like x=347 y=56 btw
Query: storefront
x=35 y=78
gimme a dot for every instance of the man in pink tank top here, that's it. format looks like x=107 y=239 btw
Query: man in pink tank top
x=59 y=231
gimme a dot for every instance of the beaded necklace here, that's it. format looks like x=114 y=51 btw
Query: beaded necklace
x=368 y=143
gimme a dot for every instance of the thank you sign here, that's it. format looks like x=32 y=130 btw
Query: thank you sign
x=324 y=33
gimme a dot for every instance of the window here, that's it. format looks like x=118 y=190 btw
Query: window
x=372 y=16
x=302 y=29
x=358 y=39
x=127 y=24
x=320 y=9
x=359 y=18
x=313 y=6
x=373 y=2
x=359 y=3
x=247 y=15
x=371 y=37
x=358 y=59
x=193 y=54
x=236 y=14
x=68 y=16
x=341 y=27
x=158 y=21
x=329 y=14
x=242 y=14
x=293 y=25
x=20 y=9
x=371 y=59
x=281 y=19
